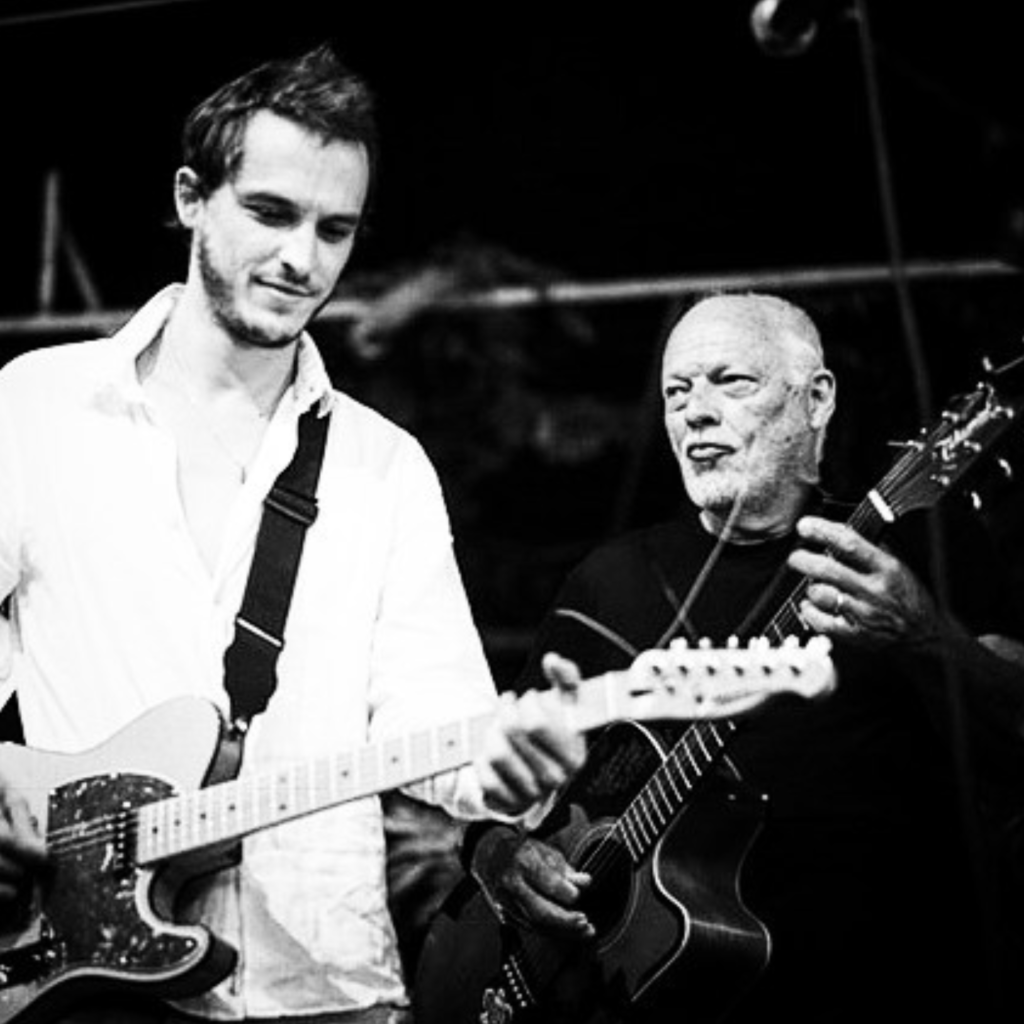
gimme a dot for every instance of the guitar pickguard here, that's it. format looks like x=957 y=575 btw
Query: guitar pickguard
x=92 y=911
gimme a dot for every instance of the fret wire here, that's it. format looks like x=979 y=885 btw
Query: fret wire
x=419 y=753
x=680 y=768
x=629 y=832
x=183 y=818
x=687 y=749
x=655 y=796
x=322 y=783
x=300 y=788
x=676 y=793
x=645 y=821
x=658 y=789
x=699 y=734
x=366 y=769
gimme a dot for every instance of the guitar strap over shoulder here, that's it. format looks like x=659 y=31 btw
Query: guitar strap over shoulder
x=289 y=509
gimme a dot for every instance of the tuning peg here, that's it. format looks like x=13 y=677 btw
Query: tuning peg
x=975 y=499
x=1005 y=468
x=732 y=643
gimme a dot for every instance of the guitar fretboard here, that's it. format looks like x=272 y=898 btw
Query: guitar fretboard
x=249 y=804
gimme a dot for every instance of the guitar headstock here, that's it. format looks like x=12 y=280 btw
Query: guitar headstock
x=701 y=682
x=939 y=458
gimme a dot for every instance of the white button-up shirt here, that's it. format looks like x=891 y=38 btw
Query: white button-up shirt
x=115 y=613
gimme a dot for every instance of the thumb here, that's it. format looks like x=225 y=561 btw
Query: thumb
x=564 y=675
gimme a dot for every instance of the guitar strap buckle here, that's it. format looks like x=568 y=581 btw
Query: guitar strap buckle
x=300 y=508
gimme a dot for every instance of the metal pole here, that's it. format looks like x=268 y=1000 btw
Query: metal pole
x=343 y=309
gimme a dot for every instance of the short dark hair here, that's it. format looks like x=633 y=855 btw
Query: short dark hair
x=315 y=91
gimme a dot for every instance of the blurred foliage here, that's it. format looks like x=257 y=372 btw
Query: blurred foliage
x=482 y=386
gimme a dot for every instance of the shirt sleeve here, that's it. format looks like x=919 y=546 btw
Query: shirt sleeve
x=428 y=664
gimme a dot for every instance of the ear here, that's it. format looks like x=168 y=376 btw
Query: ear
x=821 y=398
x=188 y=196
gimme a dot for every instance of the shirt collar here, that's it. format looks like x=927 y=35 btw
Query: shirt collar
x=120 y=381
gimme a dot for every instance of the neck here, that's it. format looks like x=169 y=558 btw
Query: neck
x=212 y=364
x=754 y=526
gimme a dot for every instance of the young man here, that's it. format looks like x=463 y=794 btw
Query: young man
x=132 y=477
x=860 y=874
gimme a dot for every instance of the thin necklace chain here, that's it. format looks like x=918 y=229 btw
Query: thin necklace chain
x=242 y=466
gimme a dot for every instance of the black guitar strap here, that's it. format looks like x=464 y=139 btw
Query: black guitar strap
x=250 y=662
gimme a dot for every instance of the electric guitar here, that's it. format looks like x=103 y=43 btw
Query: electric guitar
x=127 y=823
x=664 y=833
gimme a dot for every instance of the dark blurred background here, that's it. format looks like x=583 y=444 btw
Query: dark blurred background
x=552 y=190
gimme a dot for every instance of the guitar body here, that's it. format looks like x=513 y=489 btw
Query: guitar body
x=97 y=922
x=672 y=930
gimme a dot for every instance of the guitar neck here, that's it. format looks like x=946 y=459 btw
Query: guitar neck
x=232 y=810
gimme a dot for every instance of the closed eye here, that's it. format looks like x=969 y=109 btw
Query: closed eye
x=737 y=383
x=271 y=214
x=336 y=232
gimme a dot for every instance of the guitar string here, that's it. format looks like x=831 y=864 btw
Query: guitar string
x=76 y=838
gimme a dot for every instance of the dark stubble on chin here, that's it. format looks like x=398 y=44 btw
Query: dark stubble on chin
x=218 y=292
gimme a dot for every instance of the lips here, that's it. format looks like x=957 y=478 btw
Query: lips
x=704 y=451
x=289 y=290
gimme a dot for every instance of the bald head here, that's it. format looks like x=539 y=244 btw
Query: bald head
x=766 y=320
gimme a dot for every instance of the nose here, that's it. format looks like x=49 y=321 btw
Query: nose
x=702 y=407
x=298 y=252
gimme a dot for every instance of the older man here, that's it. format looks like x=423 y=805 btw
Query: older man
x=857 y=896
